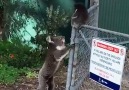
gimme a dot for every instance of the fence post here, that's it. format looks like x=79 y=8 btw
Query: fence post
x=75 y=60
x=70 y=64
x=97 y=12
x=91 y=2
x=96 y=15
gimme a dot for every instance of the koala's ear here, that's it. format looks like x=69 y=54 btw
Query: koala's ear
x=48 y=39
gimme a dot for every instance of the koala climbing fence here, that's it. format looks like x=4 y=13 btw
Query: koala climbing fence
x=79 y=60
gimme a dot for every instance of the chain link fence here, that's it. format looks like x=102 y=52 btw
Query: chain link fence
x=79 y=61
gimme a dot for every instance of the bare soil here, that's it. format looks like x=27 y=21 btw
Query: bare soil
x=31 y=83
x=60 y=79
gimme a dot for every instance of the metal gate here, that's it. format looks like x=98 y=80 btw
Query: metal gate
x=78 y=68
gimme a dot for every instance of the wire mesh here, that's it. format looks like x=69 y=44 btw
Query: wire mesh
x=80 y=65
x=81 y=80
x=93 y=16
x=92 y=21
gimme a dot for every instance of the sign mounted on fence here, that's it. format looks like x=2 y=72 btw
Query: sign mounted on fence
x=107 y=63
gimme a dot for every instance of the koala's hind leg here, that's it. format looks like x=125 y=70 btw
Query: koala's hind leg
x=42 y=83
x=51 y=84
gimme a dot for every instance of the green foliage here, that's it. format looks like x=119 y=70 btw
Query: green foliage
x=31 y=74
x=55 y=18
x=15 y=54
x=48 y=20
x=18 y=54
x=25 y=71
x=17 y=13
x=52 y=21
x=8 y=75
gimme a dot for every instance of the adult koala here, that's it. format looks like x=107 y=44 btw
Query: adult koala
x=56 y=53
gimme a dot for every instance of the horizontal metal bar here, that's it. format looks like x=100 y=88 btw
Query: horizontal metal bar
x=100 y=38
x=124 y=42
x=93 y=7
x=105 y=30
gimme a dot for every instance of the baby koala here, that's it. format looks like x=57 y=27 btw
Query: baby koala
x=80 y=16
x=55 y=54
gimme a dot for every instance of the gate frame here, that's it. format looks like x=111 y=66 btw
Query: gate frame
x=73 y=53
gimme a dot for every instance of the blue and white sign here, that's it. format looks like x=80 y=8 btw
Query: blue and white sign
x=107 y=63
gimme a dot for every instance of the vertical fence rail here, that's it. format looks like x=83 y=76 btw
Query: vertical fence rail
x=70 y=64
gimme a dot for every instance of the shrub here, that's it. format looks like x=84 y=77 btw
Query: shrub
x=18 y=55
x=8 y=75
x=29 y=73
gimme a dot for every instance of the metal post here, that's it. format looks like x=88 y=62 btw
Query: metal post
x=97 y=12
x=91 y=2
x=71 y=58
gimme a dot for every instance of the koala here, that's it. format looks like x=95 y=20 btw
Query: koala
x=57 y=51
x=80 y=16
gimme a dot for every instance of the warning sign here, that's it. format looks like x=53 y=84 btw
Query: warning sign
x=106 y=63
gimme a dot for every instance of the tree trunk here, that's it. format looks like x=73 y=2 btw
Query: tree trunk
x=1 y=21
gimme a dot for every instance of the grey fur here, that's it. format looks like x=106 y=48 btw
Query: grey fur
x=55 y=55
x=80 y=16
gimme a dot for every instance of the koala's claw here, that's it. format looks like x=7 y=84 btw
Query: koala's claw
x=72 y=46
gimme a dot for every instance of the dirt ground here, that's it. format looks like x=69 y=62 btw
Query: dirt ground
x=60 y=80
x=31 y=84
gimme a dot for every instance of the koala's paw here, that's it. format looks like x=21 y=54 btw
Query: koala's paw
x=72 y=46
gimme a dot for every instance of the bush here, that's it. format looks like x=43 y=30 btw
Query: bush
x=8 y=75
x=18 y=55
x=27 y=72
